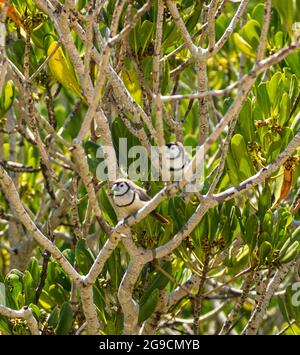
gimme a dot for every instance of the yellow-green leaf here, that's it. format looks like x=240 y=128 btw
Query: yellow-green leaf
x=244 y=46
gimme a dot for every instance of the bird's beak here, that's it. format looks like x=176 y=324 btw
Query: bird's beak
x=114 y=187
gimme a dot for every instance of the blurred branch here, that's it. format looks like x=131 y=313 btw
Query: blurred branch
x=259 y=311
x=211 y=24
x=45 y=62
x=257 y=69
x=138 y=258
x=24 y=313
x=238 y=15
x=262 y=175
x=238 y=305
x=17 y=208
x=157 y=73
x=264 y=31
x=181 y=27
x=124 y=32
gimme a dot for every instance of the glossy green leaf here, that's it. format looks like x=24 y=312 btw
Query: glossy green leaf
x=64 y=324
x=84 y=258
x=159 y=282
x=258 y=13
x=264 y=251
x=244 y=46
x=54 y=317
x=251 y=230
x=232 y=168
x=147 y=308
x=293 y=62
x=285 y=109
x=7 y=97
x=265 y=201
x=290 y=253
x=263 y=99
x=147 y=29
x=274 y=88
x=251 y=32
x=241 y=157
x=245 y=122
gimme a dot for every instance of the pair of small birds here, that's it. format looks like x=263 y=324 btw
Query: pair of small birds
x=129 y=197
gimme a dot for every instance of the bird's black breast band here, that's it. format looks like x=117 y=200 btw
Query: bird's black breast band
x=127 y=204
x=177 y=169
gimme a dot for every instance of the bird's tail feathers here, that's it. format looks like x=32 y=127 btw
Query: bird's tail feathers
x=159 y=217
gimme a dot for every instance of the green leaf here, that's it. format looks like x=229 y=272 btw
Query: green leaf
x=5 y=326
x=159 y=282
x=285 y=109
x=258 y=13
x=7 y=97
x=70 y=256
x=245 y=122
x=264 y=251
x=99 y=301
x=107 y=208
x=293 y=61
x=35 y=310
x=267 y=224
x=65 y=320
x=34 y=270
x=279 y=39
x=295 y=126
x=58 y=293
x=287 y=12
x=134 y=37
x=115 y=268
x=149 y=306
x=132 y=83
x=251 y=32
x=263 y=99
x=232 y=168
x=165 y=76
x=145 y=35
x=241 y=157
x=170 y=34
x=29 y=288
x=274 y=88
x=83 y=256
x=244 y=46
x=264 y=202
x=290 y=253
x=53 y=317
x=45 y=301
x=251 y=230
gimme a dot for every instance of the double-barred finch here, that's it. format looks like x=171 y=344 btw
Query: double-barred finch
x=129 y=198
x=176 y=161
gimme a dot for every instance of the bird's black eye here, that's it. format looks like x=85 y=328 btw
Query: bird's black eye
x=121 y=185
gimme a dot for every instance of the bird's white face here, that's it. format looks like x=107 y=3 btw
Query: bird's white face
x=172 y=151
x=120 y=188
